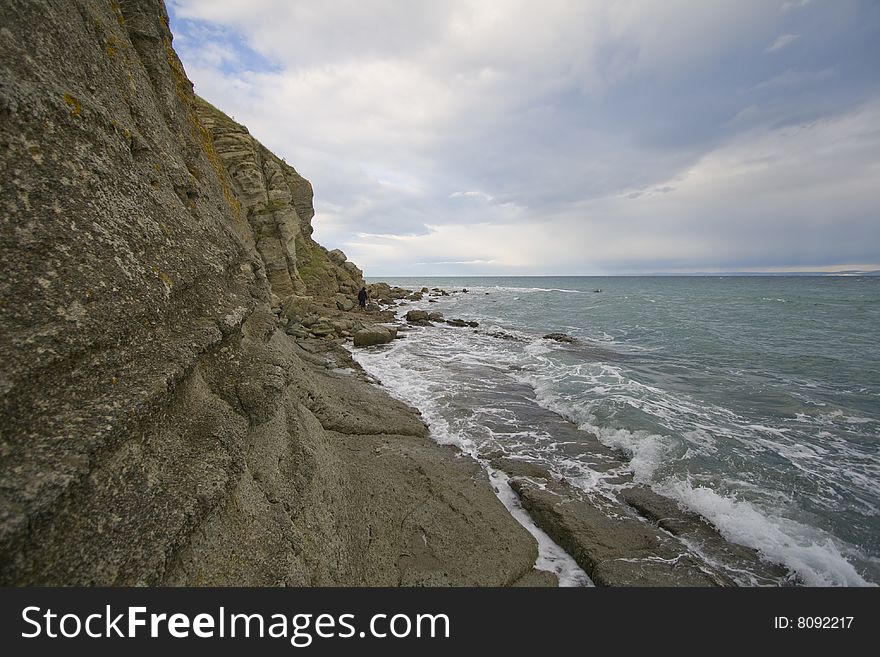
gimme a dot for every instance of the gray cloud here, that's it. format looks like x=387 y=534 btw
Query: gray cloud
x=587 y=137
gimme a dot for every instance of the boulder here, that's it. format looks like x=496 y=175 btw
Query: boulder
x=338 y=257
x=435 y=317
x=344 y=303
x=323 y=328
x=295 y=307
x=425 y=290
x=417 y=317
x=353 y=270
x=372 y=336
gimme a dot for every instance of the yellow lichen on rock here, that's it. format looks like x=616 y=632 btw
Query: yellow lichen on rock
x=74 y=104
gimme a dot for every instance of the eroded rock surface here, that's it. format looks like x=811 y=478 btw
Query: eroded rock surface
x=161 y=422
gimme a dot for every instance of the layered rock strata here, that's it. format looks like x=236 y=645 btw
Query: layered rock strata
x=158 y=422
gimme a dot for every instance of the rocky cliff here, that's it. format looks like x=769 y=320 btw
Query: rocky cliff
x=159 y=423
x=277 y=203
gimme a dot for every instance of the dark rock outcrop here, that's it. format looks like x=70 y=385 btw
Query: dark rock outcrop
x=560 y=337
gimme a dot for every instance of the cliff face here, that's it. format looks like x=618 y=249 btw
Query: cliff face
x=277 y=203
x=158 y=424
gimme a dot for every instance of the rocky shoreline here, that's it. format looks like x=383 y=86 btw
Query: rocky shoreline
x=176 y=407
x=633 y=538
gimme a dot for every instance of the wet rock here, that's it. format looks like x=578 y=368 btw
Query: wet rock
x=419 y=317
x=560 y=337
x=609 y=542
x=502 y=335
x=435 y=317
x=520 y=468
x=733 y=558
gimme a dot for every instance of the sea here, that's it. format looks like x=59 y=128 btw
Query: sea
x=753 y=401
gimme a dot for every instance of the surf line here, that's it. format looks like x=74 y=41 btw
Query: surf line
x=551 y=556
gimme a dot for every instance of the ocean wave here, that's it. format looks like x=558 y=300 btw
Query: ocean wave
x=816 y=557
x=764 y=483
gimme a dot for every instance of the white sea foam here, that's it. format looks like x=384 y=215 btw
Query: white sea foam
x=816 y=557
x=606 y=399
x=421 y=392
x=551 y=557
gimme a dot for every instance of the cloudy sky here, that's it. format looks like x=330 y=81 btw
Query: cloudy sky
x=562 y=137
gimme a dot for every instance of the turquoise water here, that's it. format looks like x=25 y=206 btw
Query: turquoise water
x=752 y=400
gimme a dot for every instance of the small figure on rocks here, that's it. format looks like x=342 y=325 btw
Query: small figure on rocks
x=362 y=298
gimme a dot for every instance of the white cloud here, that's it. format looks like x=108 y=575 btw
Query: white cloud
x=585 y=135
x=782 y=41
x=793 y=78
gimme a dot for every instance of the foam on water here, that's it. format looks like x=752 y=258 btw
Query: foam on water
x=422 y=392
x=774 y=459
x=813 y=555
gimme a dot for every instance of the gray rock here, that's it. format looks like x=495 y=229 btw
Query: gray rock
x=435 y=317
x=734 y=559
x=417 y=317
x=373 y=336
x=295 y=307
x=520 y=468
x=344 y=303
x=462 y=323
x=159 y=428
x=609 y=542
